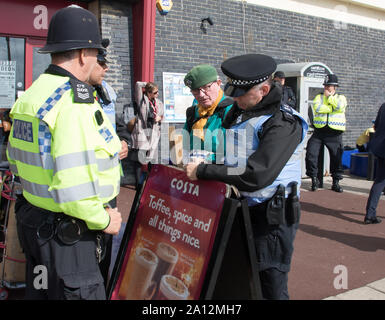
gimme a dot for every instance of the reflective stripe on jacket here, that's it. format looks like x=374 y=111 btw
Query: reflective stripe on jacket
x=246 y=141
x=330 y=111
x=109 y=109
x=66 y=161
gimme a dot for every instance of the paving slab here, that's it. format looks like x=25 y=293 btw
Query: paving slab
x=378 y=285
x=364 y=293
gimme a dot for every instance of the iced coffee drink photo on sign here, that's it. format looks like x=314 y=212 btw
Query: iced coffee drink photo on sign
x=167 y=258
x=172 y=288
x=144 y=265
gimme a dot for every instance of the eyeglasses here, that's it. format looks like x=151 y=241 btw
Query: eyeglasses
x=102 y=64
x=156 y=92
x=203 y=89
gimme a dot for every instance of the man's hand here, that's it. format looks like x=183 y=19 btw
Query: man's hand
x=329 y=91
x=115 y=221
x=191 y=170
x=124 y=151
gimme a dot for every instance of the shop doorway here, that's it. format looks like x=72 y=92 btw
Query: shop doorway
x=20 y=65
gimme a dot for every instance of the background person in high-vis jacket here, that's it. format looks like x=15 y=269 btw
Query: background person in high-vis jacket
x=65 y=152
x=329 y=124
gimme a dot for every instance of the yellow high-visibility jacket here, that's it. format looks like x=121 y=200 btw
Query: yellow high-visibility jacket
x=330 y=111
x=65 y=152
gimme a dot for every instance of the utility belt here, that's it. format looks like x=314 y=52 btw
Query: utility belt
x=280 y=210
x=68 y=230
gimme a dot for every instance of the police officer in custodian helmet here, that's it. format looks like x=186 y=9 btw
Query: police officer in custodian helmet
x=65 y=152
x=329 y=124
x=271 y=172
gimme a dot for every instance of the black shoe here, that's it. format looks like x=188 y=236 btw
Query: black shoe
x=314 y=183
x=336 y=186
x=372 y=221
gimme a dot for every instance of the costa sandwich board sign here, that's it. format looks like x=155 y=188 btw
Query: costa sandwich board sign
x=167 y=252
x=186 y=240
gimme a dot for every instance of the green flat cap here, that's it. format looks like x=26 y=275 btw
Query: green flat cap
x=200 y=76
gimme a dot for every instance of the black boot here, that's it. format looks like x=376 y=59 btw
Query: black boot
x=336 y=186
x=314 y=183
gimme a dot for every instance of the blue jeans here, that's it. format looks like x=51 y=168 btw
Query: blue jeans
x=376 y=190
x=274 y=284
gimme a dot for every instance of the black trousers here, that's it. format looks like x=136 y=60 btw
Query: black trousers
x=274 y=250
x=332 y=139
x=56 y=271
x=376 y=190
x=106 y=262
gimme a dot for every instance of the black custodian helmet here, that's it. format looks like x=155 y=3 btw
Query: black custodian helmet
x=72 y=28
x=331 y=80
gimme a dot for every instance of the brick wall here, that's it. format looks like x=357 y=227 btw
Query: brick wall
x=354 y=53
x=116 y=22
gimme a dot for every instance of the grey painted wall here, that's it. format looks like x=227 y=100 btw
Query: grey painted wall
x=116 y=22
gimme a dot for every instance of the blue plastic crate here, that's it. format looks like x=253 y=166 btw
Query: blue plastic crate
x=346 y=158
x=359 y=164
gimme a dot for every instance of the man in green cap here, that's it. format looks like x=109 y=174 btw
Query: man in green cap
x=204 y=118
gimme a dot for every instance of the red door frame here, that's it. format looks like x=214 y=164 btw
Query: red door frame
x=143 y=21
x=30 y=43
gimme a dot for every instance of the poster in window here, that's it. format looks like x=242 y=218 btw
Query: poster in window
x=7 y=84
x=176 y=97
x=172 y=238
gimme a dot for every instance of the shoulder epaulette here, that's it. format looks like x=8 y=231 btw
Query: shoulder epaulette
x=83 y=93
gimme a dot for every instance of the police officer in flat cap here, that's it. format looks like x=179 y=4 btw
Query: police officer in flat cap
x=65 y=151
x=271 y=136
x=106 y=96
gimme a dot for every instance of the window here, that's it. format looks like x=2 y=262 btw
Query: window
x=11 y=69
x=20 y=65
x=40 y=63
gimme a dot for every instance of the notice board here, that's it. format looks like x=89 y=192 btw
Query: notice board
x=7 y=84
x=176 y=97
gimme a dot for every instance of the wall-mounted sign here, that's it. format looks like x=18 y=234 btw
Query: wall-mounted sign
x=316 y=71
x=7 y=84
x=164 y=6
x=176 y=97
x=30 y=17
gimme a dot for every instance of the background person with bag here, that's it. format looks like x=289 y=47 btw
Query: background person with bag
x=146 y=132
